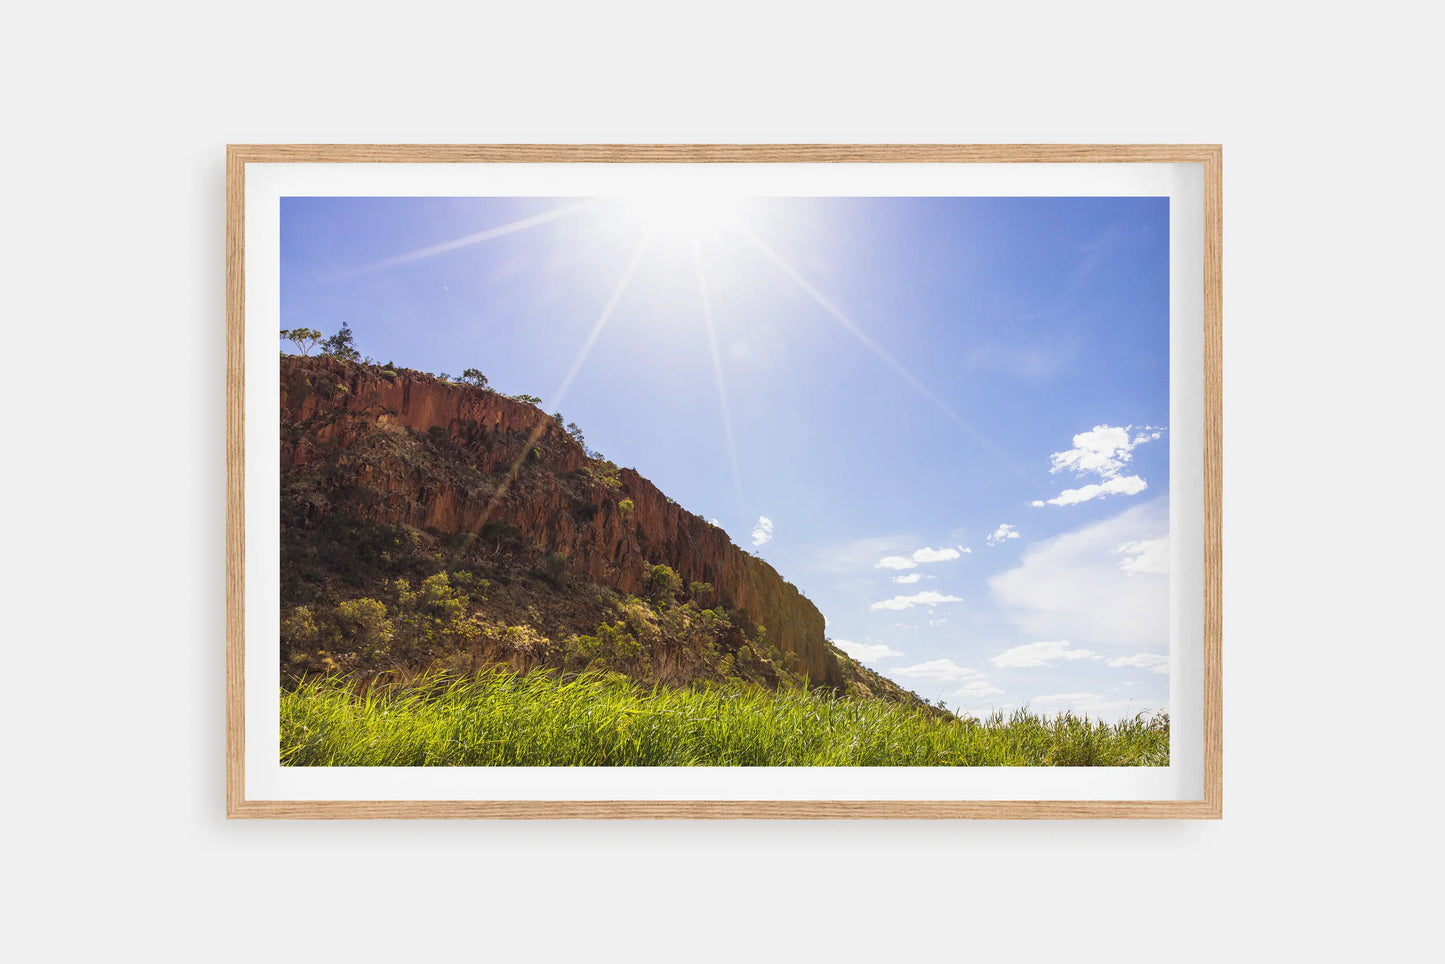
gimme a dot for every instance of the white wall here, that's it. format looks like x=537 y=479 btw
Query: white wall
x=116 y=119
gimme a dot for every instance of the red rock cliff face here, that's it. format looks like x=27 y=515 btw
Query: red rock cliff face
x=331 y=408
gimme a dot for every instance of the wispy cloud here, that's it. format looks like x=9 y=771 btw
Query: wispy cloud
x=929 y=554
x=1055 y=652
x=1072 y=587
x=1153 y=662
x=1145 y=556
x=973 y=690
x=911 y=577
x=926 y=598
x=851 y=558
x=940 y=671
x=1040 y=654
x=762 y=531
x=866 y=652
x=1002 y=534
x=1121 y=485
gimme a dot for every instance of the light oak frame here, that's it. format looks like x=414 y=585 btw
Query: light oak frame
x=1209 y=156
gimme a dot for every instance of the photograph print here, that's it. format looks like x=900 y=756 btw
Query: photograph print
x=690 y=479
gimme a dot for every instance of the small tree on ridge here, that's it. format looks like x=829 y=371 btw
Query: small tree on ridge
x=304 y=339
x=342 y=345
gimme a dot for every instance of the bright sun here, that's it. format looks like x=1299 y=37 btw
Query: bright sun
x=683 y=217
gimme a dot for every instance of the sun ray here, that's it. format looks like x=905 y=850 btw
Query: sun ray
x=878 y=351
x=463 y=242
x=717 y=371
x=556 y=400
x=557 y=396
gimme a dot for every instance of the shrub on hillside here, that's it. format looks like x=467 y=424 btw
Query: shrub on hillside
x=663 y=583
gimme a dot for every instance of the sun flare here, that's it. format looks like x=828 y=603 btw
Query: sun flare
x=683 y=217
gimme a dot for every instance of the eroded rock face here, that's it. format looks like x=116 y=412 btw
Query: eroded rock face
x=506 y=462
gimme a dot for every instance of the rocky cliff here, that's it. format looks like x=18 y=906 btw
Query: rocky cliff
x=505 y=469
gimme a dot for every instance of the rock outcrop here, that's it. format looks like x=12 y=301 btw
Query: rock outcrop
x=504 y=463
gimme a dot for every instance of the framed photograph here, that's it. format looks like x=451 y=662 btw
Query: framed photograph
x=767 y=481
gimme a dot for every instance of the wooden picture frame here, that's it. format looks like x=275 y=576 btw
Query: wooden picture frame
x=1207 y=159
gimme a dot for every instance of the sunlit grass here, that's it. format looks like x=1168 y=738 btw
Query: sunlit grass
x=501 y=719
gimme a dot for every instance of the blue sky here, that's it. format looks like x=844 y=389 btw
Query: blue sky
x=944 y=419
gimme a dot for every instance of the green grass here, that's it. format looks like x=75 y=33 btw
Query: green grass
x=500 y=719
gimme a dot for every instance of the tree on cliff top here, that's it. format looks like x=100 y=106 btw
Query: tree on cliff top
x=575 y=430
x=342 y=345
x=474 y=377
x=304 y=339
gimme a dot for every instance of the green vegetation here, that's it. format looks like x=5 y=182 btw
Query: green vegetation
x=342 y=345
x=572 y=429
x=605 y=471
x=304 y=339
x=371 y=599
x=472 y=376
x=547 y=719
x=664 y=584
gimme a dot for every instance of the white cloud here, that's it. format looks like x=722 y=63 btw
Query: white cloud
x=977 y=687
x=1119 y=485
x=1095 y=706
x=964 y=549
x=910 y=578
x=866 y=652
x=1040 y=654
x=1145 y=555
x=1053 y=653
x=926 y=554
x=763 y=531
x=939 y=670
x=1072 y=587
x=1103 y=451
x=926 y=598
x=972 y=699
x=1001 y=534
x=1153 y=662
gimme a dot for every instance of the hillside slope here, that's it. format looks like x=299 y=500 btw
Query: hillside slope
x=427 y=520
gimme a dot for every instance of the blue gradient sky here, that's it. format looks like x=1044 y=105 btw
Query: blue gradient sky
x=901 y=374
